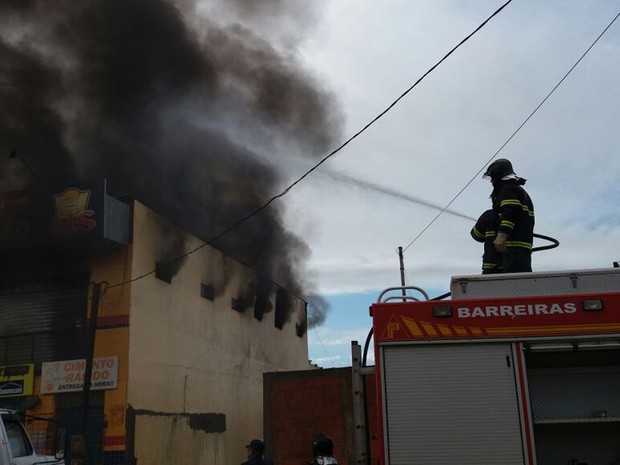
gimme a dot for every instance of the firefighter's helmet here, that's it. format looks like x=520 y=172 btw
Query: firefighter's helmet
x=498 y=169
x=322 y=445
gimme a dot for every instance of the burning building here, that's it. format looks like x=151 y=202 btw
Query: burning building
x=179 y=350
x=190 y=111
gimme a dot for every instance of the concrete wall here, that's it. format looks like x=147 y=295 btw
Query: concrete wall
x=180 y=444
x=191 y=355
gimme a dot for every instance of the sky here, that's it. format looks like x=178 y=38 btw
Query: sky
x=223 y=102
x=363 y=203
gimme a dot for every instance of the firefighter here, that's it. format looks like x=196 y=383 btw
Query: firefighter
x=484 y=231
x=323 y=450
x=514 y=213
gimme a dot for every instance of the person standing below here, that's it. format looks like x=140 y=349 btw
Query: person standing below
x=484 y=231
x=255 y=450
x=323 y=450
x=514 y=213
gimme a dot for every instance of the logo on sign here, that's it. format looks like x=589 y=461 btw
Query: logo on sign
x=72 y=217
x=12 y=388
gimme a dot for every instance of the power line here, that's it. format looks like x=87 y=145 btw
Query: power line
x=321 y=342
x=514 y=133
x=327 y=157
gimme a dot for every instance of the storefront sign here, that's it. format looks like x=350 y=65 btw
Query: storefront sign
x=68 y=375
x=16 y=380
x=72 y=213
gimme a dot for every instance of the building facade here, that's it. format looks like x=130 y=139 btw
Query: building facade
x=179 y=348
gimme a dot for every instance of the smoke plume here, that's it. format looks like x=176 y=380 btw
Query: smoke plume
x=177 y=104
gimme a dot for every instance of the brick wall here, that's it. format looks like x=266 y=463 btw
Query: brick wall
x=300 y=404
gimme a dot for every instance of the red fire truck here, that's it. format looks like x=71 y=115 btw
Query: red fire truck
x=517 y=368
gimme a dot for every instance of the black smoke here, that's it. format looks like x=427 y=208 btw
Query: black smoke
x=189 y=113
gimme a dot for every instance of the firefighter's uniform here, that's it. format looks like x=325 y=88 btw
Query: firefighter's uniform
x=514 y=212
x=484 y=232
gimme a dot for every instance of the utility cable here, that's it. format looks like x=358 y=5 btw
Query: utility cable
x=514 y=133
x=321 y=342
x=324 y=159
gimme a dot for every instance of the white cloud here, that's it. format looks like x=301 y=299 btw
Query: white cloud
x=331 y=346
x=436 y=139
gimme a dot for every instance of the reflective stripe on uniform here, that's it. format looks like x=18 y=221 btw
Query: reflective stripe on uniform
x=524 y=245
x=509 y=202
x=524 y=207
x=477 y=233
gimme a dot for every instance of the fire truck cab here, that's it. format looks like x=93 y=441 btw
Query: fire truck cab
x=519 y=368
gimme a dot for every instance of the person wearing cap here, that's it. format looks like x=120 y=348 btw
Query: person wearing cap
x=514 y=213
x=255 y=450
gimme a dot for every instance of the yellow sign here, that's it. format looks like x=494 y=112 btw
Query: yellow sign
x=16 y=380
x=72 y=217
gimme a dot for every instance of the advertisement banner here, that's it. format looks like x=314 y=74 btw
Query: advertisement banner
x=16 y=380
x=68 y=375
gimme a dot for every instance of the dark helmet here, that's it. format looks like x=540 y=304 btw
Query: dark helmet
x=498 y=169
x=256 y=445
x=322 y=445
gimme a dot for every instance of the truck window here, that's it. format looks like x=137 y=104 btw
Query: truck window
x=20 y=446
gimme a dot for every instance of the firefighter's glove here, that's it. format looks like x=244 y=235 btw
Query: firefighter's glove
x=500 y=242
